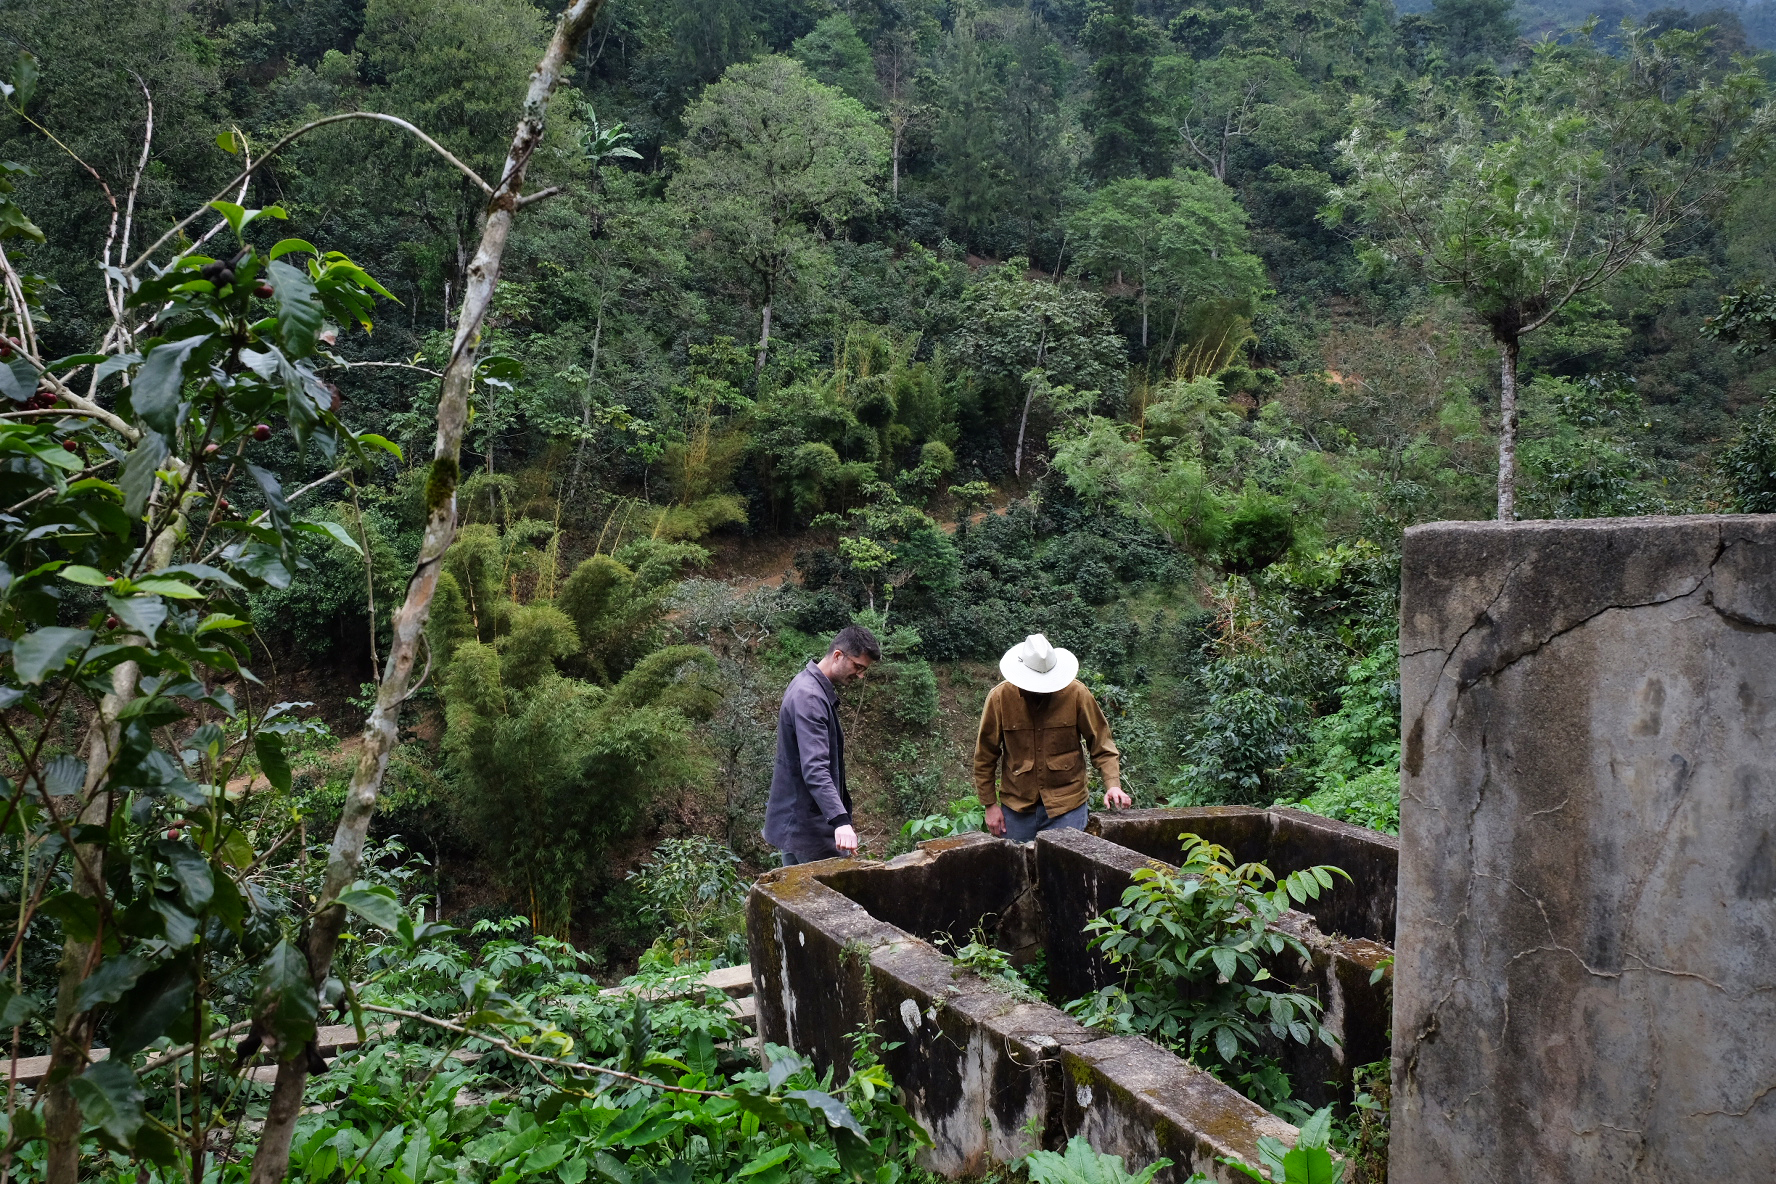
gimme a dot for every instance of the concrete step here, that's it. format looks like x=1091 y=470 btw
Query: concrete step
x=735 y=981
x=745 y=1010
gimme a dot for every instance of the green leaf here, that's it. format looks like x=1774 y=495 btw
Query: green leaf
x=16 y=1007
x=1225 y=961
x=1082 y=1165
x=231 y=213
x=161 y=586
x=110 y=1098
x=108 y=983
x=24 y=77
x=377 y=904
x=226 y=142
x=837 y=1114
x=299 y=312
x=78 y=914
x=144 y=614
x=154 y=394
x=769 y=1159
x=285 y=246
x=136 y=478
x=1316 y=1131
x=285 y=1002
x=160 y=999
x=334 y=531
x=92 y=577
x=372 y=440
x=190 y=869
x=37 y=655
x=269 y=747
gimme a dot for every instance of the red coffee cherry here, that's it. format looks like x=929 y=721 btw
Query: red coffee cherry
x=221 y=503
x=262 y=432
x=112 y=622
x=262 y=290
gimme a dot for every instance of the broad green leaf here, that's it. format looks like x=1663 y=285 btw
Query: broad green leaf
x=92 y=577
x=219 y=621
x=154 y=394
x=372 y=440
x=769 y=1159
x=334 y=531
x=110 y=1097
x=231 y=213
x=107 y=984
x=158 y=585
x=24 y=77
x=226 y=142
x=299 y=312
x=16 y=1007
x=160 y=999
x=377 y=904
x=137 y=474
x=36 y=656
x=285 y=1002
x=837 y=1114
x=285 y=246
x=179 y=925
x=144 y=614
x=269 y=747
x=1082 y=1165
x=78 y=914
x=190 y=869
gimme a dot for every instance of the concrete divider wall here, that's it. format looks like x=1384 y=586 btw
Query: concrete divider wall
x=1586 y=988
x=1081 y=875
x=1286 y=841
x=990 y=1076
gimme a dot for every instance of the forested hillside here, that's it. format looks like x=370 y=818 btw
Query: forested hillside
x=1060 y=318
x=1144 y=324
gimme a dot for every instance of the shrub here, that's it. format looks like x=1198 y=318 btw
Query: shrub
x=1192 y=944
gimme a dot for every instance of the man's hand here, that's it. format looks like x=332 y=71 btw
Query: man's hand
x=845 y=839
x=996 y=819
x=1115 y=799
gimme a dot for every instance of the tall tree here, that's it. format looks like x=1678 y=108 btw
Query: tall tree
x=970 y=164
x=1123 y=112
x=1582 y=168
x=772 y=164
x=1178 y=239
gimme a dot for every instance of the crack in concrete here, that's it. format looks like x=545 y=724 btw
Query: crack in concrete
x=1721 y=548
x=1755 y=1099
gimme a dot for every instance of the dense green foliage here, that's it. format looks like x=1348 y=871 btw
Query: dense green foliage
x=1199 y=957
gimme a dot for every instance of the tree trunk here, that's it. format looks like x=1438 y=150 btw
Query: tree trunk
x=1507 y=482
x=1143 y=316
x=764 y=339
x=573 y=484
x=73 y=1031
x=272 y=1160
x=894 y=159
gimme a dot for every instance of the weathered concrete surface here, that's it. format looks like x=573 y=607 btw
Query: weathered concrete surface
x=1080 y=876
x=980 y=1069
x=1586 y=985
x=1286 y=841
x=948 y=887
x=1126 y=1092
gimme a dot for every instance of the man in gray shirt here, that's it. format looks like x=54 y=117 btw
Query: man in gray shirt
x=808 y=816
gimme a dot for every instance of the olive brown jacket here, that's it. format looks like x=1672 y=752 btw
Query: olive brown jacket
x=1034 y=750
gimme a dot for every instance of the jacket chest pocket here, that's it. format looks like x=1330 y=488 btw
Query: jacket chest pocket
x=1060 y=750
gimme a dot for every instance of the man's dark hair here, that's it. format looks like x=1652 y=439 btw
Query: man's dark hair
x=854 y=641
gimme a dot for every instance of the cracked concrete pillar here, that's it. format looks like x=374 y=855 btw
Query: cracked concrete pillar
x=1585 y=988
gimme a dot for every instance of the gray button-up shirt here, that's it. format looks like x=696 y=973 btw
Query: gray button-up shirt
x=808 y=796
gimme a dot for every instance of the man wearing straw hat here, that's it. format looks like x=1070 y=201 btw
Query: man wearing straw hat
x=1033 y=725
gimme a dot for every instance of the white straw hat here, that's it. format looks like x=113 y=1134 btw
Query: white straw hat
x=1034 y=665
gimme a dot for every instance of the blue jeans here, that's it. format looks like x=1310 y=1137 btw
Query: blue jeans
x=1022 y=825
x=790 y=858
